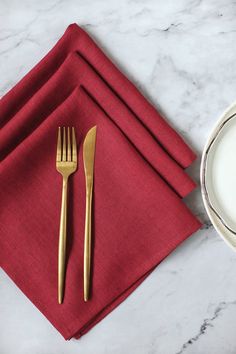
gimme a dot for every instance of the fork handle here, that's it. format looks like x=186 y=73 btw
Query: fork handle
x=87 y=240
x=62 y=242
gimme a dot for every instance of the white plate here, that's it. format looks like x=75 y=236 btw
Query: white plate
x=218 y=176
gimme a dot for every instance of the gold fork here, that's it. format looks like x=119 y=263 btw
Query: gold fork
x=66 y=164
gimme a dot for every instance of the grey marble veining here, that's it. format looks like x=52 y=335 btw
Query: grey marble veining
x=181 y=54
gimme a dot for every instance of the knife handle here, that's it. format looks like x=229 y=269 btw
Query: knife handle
x=87 y=239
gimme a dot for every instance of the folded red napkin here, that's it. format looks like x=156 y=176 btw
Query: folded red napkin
x=76 y=72
x=138 y=219
x=75 y=39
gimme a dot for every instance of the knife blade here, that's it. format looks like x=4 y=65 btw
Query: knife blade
x=88 y=157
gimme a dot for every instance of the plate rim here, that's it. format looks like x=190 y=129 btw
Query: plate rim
x=230 y=111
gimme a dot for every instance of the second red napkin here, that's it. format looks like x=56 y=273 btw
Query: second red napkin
x=76 y=72
x=77 y=40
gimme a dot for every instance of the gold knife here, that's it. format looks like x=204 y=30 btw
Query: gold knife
x=88 y=156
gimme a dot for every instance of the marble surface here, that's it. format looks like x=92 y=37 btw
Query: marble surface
x=181 y=54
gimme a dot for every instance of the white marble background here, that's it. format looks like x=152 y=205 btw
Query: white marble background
x=182 y=55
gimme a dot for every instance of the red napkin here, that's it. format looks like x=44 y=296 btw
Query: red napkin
x=75 y=39
x=138 y=219
x=74 y=72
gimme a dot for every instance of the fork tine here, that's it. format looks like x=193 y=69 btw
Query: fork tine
x=69 y=157
x=59 y=144
x=74 y=146
x=64 y=145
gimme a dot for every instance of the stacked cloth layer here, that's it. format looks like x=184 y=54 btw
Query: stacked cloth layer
x=138 y=217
